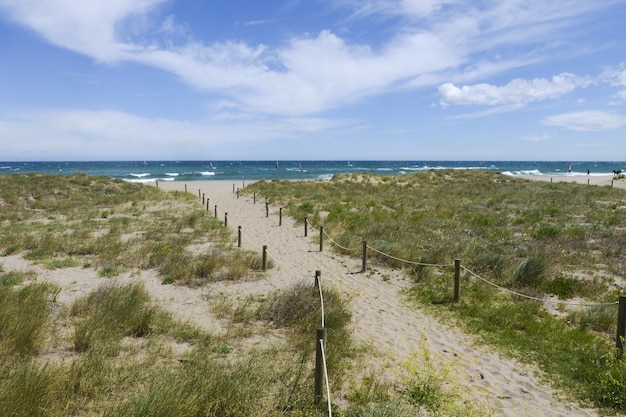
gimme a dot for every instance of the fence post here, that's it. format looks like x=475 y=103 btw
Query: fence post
x=319 y=364
x=207 y=204
x=280 y=216
x=364 y=256
x=233 y=188
x=238 y=236
x=318 y=277
x=264 y=259
x=185 y=187
x=225 y=219
x=306 y=227
x=621 y=323
x=216 y=211
x=254 y=198
x=199 y=193
x=321 y=238
x=457 y=280
x=203 y=199
x=267 y=208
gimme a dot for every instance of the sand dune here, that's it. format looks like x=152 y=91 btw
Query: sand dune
x=379 y=314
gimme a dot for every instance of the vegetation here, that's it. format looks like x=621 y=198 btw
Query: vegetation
x=548 y=241
x=115 y=226
x=114 y=352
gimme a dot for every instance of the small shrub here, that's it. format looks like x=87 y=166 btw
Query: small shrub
x=529 y=273
x=598 y=318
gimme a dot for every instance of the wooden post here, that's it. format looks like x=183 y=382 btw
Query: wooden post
x=320 y=337
x=267 y=208
x=318 y=277
x=457 y=280
x=264 y=261
x=233 y=188
x=306 y=227
x=203 y=199
x=199 y=193
x=185 y=187
x=321 y=238
x=254 y=197
x=207 y=204
x=364 y=256
x=225 y=219
x=215 y=211
x=280 y=216
x=238 y=236
x=621 y=324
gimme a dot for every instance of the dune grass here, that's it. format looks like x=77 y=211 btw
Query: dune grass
x=115 y=226
x=114 y=352
x=567 y=241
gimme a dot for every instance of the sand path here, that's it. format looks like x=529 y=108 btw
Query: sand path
x=379 y=315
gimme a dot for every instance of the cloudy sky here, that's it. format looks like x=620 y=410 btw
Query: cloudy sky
x=312 y=79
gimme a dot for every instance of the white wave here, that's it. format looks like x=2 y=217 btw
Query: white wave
x=207 y=173
x=172 y=174
x=523 y=172
x=140 y=175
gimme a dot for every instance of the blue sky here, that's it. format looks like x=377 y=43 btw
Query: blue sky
x=312 y=79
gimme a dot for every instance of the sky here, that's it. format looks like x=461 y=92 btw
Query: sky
x=312 y=80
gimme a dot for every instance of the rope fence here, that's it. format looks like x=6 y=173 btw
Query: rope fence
x=321 y=374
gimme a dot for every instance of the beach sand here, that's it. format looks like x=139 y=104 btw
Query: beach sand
x=600 y=180
x=380 y=317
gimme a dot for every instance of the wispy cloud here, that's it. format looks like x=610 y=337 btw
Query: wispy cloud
x=308 y=74
x=80 y=133
x=587 y=121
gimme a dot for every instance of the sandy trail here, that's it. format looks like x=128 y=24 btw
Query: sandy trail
x=379 y=315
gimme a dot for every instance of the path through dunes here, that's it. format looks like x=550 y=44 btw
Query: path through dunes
x=379 y=315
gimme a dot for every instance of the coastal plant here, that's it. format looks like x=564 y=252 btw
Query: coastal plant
x=503 y=229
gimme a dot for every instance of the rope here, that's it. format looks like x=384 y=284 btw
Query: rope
x=321 y=342
x=409 y=262
x=543 y=300
x=319 y=285
x=337 y=244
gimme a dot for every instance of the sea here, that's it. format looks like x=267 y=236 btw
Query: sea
x=151 y=171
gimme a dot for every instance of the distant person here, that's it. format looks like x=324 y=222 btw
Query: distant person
x=569 y=168
x=587 y=171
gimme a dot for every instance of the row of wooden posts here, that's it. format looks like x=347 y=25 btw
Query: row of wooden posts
x=321 y=332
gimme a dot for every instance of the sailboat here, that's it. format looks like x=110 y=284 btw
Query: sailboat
x=211 y=163
x=349 y=164
x=276 y=164
x=300 y=167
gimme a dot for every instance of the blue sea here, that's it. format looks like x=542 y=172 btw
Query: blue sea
x=150 y=171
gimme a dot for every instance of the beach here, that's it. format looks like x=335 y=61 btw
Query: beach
x=380 y=317
x=599 y=180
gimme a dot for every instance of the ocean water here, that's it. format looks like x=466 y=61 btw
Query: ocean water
x=150 y=171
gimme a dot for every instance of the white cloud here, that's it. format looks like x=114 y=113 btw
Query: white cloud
x=309 y=74
x=517 y=91
x=538 y=137
x=113 y=135
x=616 y=77
x=586 y=121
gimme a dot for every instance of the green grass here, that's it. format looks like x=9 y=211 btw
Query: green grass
x=537 y=238
x=115 y=352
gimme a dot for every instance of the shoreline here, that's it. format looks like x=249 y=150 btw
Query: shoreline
x=598 y=180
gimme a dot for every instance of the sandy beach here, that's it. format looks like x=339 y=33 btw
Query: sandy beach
x=599 y=180
x=380 y=317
